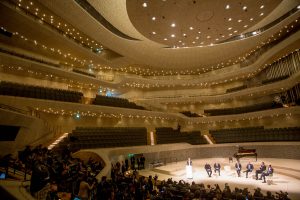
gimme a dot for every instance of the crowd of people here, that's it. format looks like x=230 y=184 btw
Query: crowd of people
x=72 y=176
x=62 y=172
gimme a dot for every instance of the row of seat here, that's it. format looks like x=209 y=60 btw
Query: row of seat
x=240 y=110
x=190 y=114
x=84 y=73
x=234 y=89
x=21 y=90
x=167 y=135
x=272 y=80
x=115 y=102
x=103 y=137
x=242 y=129
x=257 y=135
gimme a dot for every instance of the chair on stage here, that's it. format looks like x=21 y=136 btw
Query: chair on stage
x=270 y=179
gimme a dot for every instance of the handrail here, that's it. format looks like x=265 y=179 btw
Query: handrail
x=13 y=53
x=52 y=27
x=11 y=108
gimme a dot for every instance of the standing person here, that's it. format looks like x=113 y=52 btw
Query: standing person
x=132 y=161
x=84 y=189
x=142 y=162
x=138 y=161
x=261 y=169
x=126 y=164
x=238 y=168
x=217 y=168
x=249 y=168
x=123 y=168
x=207 y=167
x=269 y=171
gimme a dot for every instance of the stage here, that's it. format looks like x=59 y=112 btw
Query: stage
x=286 y=174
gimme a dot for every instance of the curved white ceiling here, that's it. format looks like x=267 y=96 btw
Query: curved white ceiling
x=149 y=53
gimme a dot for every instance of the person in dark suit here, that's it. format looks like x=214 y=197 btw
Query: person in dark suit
x=217 y=168
x=238 y=168
x=261 y=169
x=142 y=162
x=132 y=161
x=249 y=168
x=269 y=171
x=208 y=169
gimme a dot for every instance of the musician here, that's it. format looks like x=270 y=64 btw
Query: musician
x=249 y=168
x=261 y=169
x=217 y=167
x=189 y=162
x=268 y=172
x=238 y=168
x=208 y=169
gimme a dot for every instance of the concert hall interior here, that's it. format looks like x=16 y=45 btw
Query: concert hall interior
x=141 y=99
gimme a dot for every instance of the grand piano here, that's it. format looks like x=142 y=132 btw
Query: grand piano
x=242 y=152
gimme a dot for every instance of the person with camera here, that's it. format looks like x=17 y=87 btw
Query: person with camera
x=85 y=188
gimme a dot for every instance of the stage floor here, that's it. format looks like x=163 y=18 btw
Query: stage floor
x=286 y=174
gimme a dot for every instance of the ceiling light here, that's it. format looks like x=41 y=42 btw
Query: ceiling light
x=229 y=19
x=179 y=41
x=153 y=18
x=239 y=20
x=145 y=5
x=261 y=14
x=245 y=26
x=193 y=42
x=251 y=19
x=298 y=7
x=191 y=28
x=227 y=6
x=208 y=37
x=173 y=35
x=262 y=6
x=235 y=31
x=244 y=7
x=229 y=28
x=165 y=38
x=254 y=33
x=197 y=38
x=153 y=32
x=173 y=25
x=183 y=34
